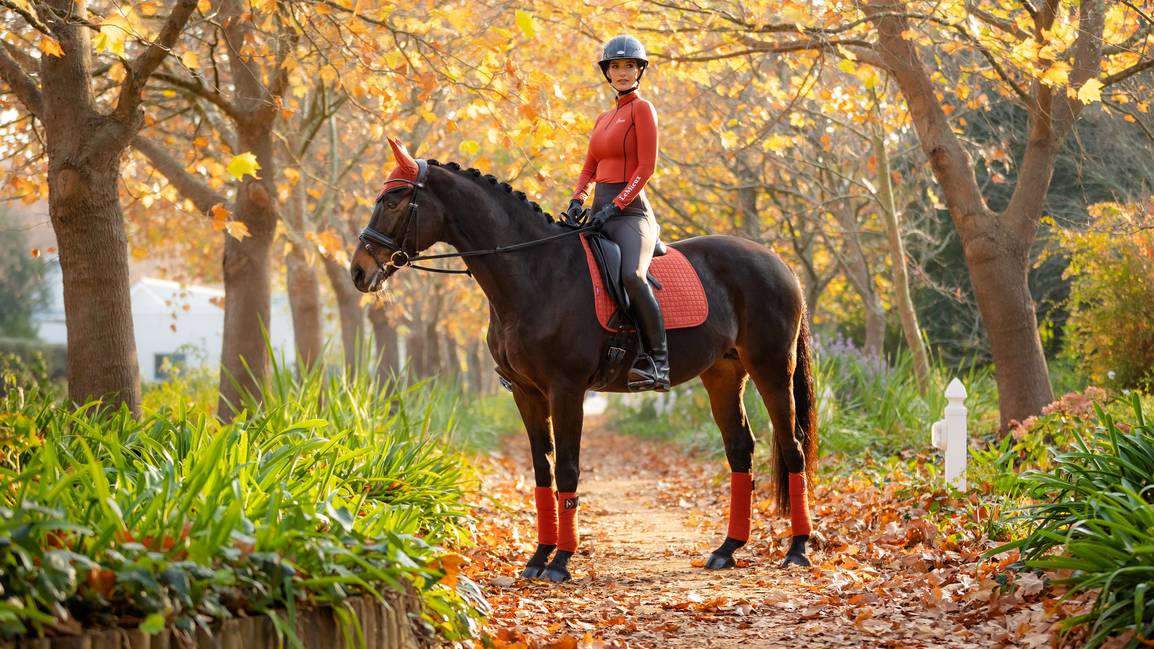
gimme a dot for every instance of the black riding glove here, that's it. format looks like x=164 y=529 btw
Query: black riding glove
x=602 y=215
x=573 y=212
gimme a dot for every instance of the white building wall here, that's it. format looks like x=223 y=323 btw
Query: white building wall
x=164 y=326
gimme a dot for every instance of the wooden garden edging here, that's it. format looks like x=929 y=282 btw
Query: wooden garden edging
x=384 y=625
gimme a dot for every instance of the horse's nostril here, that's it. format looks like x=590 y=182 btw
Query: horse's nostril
x=358 y=276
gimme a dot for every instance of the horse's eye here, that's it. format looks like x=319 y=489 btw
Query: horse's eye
x=393 y=197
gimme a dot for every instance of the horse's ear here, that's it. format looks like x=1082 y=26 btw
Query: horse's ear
x=405 y=161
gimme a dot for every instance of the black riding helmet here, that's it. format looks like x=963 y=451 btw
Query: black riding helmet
x=623 y=47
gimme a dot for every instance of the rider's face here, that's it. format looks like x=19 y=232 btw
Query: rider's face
x=623 y=73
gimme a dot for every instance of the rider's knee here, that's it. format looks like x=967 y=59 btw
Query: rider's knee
x=634 y=281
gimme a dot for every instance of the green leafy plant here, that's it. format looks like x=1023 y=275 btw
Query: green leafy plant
x=1093 y=518
x=329 y=486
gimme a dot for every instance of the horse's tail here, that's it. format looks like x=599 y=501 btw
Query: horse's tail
x=805 y=418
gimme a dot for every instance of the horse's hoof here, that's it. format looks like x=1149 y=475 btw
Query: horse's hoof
x=719 y=562
x=536 y=564
x=556 y=574
x=794 y=559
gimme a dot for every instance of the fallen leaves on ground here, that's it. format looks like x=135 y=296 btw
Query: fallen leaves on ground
x=886 y=573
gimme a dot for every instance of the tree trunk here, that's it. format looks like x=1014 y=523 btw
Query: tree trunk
x=902 y=300
x=349 y=310
x=244 y=362
x=303 y=287
x=475 y=379
x=434 y=354
x=747 y=191
x=996 y=246
x=248 y=261
x=84 y=147
x=857 y=271
x=1001 y=284
x=85 y=212
x=388 y=345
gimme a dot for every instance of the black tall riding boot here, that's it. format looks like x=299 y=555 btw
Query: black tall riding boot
x=650 y=372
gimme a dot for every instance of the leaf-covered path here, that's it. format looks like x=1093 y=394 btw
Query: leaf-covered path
x=649 y=516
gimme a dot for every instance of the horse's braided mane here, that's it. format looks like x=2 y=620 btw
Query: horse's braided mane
x=488 y=179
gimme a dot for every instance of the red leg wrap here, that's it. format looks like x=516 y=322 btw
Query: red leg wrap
x=546 y=515
x=799 y=505
x=567 y=536
x=740 y=505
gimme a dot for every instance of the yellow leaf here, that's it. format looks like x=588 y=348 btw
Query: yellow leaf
x=1057 y=74
x=777 y=143
x=112 y=35
x=204 y=6
x=1090 y=92
x=243 y=164
x=293 y=175
x=469 y=147
x=525 y=22
x=220 y=212
x=237 y=230
x=189 y=60
x=51 y=46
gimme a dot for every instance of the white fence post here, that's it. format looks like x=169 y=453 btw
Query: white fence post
x=949 y=434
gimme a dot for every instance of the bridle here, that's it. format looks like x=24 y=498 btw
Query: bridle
x=400 y=257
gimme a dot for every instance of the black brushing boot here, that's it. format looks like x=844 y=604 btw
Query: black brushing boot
x=650 y=372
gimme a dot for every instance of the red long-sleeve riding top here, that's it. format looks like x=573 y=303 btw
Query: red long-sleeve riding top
x=622 y=149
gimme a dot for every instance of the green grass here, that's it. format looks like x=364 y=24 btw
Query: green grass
x=864 y=407
x=330 y=486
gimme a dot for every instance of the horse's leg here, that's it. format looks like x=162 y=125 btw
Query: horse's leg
x=725 y=383
x=534 y=409
x=566 y=409
x=773 y=374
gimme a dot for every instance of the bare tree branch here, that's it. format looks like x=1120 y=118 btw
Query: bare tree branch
x=197 y=88
x=28 y=16
x=139 y=70
x=993 y=21
x=21 y=83
x=1122 y=75
x=189 y=185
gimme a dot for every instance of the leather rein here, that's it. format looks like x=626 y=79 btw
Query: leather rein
x=400 y=257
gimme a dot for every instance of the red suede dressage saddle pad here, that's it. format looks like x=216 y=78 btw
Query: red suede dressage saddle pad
x=681 y=296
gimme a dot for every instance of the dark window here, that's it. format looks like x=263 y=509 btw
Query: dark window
x=167 y=364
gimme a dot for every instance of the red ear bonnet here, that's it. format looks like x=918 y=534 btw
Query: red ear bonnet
x=406 y=167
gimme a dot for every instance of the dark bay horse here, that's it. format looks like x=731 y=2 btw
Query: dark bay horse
x=545 y=339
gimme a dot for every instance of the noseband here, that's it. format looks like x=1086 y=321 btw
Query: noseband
x=399 y=258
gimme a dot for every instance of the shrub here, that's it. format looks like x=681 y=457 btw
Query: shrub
x=1094 y=519
x=864 y=405
x=1112 y=314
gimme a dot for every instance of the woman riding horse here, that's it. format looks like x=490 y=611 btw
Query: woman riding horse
x=545 y=339
x=622 y=156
